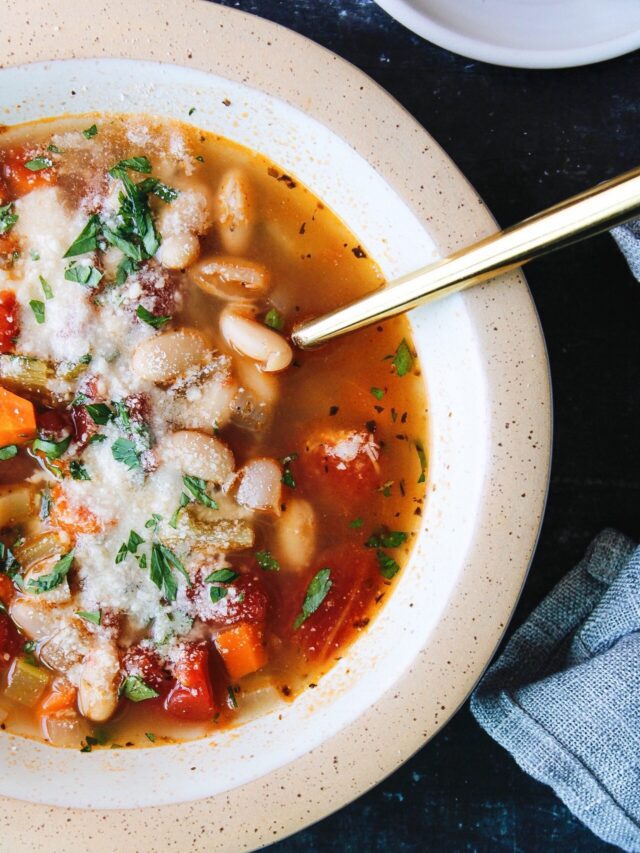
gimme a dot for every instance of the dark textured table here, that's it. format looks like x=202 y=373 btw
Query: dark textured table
x=525 y=139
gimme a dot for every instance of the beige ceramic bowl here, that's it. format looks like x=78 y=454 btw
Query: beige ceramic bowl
x=486 y=371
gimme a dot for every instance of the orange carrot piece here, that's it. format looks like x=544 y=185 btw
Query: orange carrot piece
x=242 y=649
x=62 y=697
x=17 y=419
x=69 y=518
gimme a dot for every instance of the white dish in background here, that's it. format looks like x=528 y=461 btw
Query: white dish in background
x=525 y=33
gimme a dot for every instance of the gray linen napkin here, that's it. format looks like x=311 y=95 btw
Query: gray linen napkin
x=564 y=696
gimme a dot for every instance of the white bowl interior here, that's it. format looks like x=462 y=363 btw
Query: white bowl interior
x=458 y=447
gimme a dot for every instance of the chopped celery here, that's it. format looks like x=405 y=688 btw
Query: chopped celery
x=30 y=377
x=26 y=683
x=37 y=548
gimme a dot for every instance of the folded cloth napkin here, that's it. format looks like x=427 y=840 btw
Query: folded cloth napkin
x=564 y=696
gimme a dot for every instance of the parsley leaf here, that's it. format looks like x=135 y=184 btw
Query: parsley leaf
x=403 y=360
x=155 y=320
x=317 y=591
x=136 y=164
x=38 y=310
x=8 y=452
x=38 y=164
x=150 y=736
x=124 y=450
x=85 y=274
x=198 y=489
x=135 y=689
x=9 y=565
x=274 y=320
x=44 y=583
x=163 y=561
x=154 y=522
x=87 y=239
x=7 y=218
x=46 y=288
x=267 y=561
x=94 y=616
x=423 y=461
x=217 y=593
x=51 y=449
x=225 y=575
x=99 y=413
x=97 y=438
x=388 y=566
x=78 y=471
x=184 y=501
x=90 y=131
x=386 y=539
x=378 y=393
x=356 y=524
x=164 y=192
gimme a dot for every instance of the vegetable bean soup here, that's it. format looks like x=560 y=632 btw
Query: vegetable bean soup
x=195 y=519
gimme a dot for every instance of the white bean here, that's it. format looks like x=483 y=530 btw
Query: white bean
x=161 y=358
x=204 y=406
x=260 y=485
x=255 y=341
x=178 y=251
x=37 y=618
x=235 y=213
x=199 y=455
x=231 y=278
x=190 y=211
x=296 y=535
x=65 y=648
x=97 y=691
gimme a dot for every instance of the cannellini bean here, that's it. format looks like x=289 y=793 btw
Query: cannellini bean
x=236 y=211
x=256 y=395
x=37 y=618
x=260 y=485
x=231 y=278
x=97 y=691
x=178 y=251
x=17 y=503
x=66 y=647
x=189 y=212
x=205 y=406
x=199 y=455
x=161 y=358
x=255 y=341
x=296 y=535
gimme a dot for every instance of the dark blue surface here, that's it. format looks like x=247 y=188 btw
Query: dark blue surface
x=525 y=139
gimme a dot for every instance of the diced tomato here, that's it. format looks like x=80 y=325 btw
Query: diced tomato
x=354 y=578
x=9 y=320
x=52 y=424
x=341 y=465
x=7 y=590
x=83 y=426
x=146 y=664
x=11 y=642
x=61 y=697
x=71 y=519
x=248 y=603
x=19 y=179
x=192 y=696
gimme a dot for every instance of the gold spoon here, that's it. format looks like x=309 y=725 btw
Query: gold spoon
x=591 y=212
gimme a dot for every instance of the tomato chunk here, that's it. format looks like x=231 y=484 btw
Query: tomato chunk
x=341 y=464
x=69 y=518
x=11 y=642
x=145 y=663
x=354 y=577
x=7 y=590
x=19 y=179
x=9 y=320
x=192 y=696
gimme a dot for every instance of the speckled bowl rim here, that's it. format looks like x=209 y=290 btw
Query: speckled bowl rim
x=254 y=51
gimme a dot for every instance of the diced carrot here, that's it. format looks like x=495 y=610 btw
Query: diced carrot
x=22 y=180
x=7 y=590
x=60 y=698
x=242 y=650
x=9 y=318
x=70 y=518
x=17 y=419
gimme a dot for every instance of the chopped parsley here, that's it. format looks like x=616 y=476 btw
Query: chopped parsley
x=155 y=320
x=38 y=310
x=356 y=524
x=136 y=164
x=94 y=616
x=150 y=736
x=388 y=566
x=130 y=546
x=46 y=288
x=274 y=320
x=44 y=583
x=163 y=562
x=191 y=111
x=287 y=474
x=51 y=449
x=154 y=522
x=90 y=132
x=225 y=575
x=403 y=360
x=185 y=500
x=8 y=452
x=423 y=461
x=198 y=489
x=78 y=471
x=9 y=565
x=378 y=393
x=97 y=438
x=317 y=591
x=86 y=241
x=267 y=561
x=124 y=450
x=7 y=218
x=38 y=164
x=54 y=149
x=164 y=192
x=99 y=413
x=217 y=593
x=89 y=742
x=386 y=539
x=232 y=697
x=135 y=689
x=84 y=274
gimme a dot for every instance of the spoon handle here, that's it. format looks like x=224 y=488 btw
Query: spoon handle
x=579 y=217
